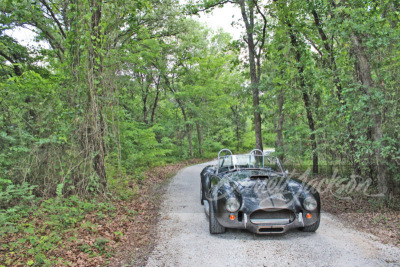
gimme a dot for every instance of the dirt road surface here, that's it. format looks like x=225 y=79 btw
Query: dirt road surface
x=184 y=239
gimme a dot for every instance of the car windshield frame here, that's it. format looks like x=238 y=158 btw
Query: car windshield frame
x=231 y=162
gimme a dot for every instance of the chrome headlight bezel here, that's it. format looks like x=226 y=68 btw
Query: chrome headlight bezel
x=232 y=204
x=310 y=203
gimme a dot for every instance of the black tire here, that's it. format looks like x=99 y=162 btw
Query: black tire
x=202 y=196
x=215 y=227
x=311 y=228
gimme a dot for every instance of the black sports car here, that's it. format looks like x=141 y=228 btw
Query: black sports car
x=253 y=192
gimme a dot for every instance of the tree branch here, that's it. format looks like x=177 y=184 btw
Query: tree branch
x=54 y=17
x=321 y=32
x=17 y=69
x=264 y=27
x=210 y=7
x=313 y=45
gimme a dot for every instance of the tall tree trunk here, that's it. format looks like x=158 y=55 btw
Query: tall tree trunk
x=237 y=129
x=306 y=98
x=364 y=76
x=338 y=84
x=311 y=125
x=97 y=125
x=144 y=99
x=145 y=83
x=254 y=71
x=185 y=119
x=235 y=113
x=199 y=138
x=153 y=110
x=187 y=127
x=305 y=93
x=279 y=127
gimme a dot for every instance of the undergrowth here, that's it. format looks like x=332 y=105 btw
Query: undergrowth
x=31 y=234
x=66 y=230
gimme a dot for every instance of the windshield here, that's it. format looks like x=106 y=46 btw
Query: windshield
x=229 y=162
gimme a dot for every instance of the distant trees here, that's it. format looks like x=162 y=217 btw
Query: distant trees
x=254 y=39
x=339 y=59
x=131 y=84
x=123 y=85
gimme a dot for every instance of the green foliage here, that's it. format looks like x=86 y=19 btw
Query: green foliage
x=121 y=184
x=100 y=244
x=16 y=194
x=337 y=46
x=141 y=147
x=56 y=217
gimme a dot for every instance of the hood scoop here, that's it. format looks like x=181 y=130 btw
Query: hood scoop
x=255 y=177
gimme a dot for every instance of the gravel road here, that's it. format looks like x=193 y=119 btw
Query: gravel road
x=184 y=239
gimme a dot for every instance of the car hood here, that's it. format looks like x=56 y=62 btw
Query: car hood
x=261 y=191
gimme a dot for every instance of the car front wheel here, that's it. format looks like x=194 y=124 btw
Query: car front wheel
x=311 y=228
x=201 y=194
x=215 y=226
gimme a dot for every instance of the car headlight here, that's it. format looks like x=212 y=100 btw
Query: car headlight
x=310 y=203
x=232 y=204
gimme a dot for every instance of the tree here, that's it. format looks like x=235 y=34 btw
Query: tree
x=284 y=16
x=255 y=39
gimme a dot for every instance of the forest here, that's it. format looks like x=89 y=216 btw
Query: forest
x=113 y=89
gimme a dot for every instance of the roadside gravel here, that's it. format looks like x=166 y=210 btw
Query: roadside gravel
x=184 y=239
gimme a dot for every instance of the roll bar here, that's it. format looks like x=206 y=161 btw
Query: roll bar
x=219 y=153
x=256 y=150
x=222 y=150
x=252 y=153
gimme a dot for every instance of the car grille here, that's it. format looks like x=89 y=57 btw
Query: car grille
x=272 y=216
